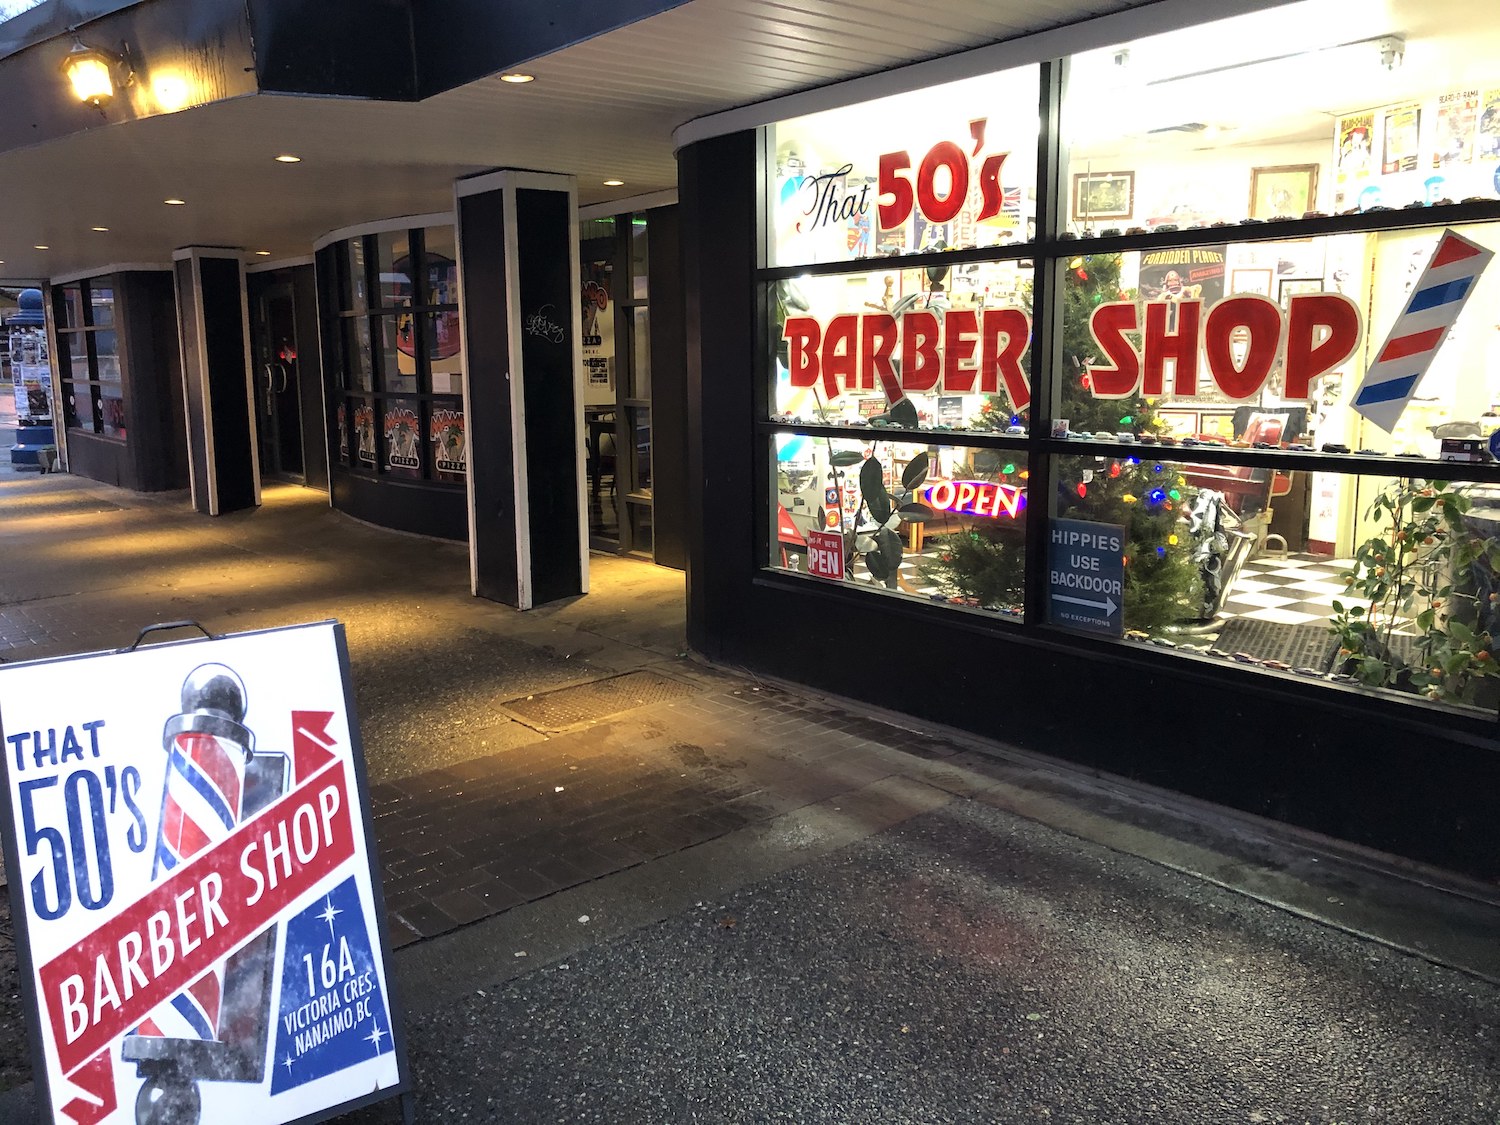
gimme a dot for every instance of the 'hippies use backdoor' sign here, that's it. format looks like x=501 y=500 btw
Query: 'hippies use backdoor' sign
x=191 y=870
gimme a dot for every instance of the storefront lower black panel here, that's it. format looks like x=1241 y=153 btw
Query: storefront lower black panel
x=422 y=510
x=1404 y=779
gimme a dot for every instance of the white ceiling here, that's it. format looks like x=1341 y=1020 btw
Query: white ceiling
x=604 y=109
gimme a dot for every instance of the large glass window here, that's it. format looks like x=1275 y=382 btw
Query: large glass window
x=1243 y=382
x=89 y=357
x=398 y=412
x=1231 y=121
x=949 y=168
x=936 y=523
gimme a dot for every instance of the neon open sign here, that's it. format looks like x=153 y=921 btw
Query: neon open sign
x=975 y=498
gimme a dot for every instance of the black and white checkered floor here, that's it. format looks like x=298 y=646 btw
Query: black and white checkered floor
x=1295 y=590
x=1299 y=589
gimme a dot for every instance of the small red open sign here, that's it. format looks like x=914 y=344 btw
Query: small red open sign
x=825 y=554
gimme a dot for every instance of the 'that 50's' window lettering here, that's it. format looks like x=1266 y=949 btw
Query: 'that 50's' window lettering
x=942 y=169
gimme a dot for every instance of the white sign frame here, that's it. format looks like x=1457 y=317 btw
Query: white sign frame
x=94 y=780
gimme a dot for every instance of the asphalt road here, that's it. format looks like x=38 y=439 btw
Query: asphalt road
x=969 y=966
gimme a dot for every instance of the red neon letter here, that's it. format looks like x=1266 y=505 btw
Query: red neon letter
x=1262 y=319
x=802 y=334
x=949 y=155
x=892 y=183
x=1108 y=324
x=1181 y=347
x=1306 y=360
x=990 y=191
x=996 y=363
x=840 y=354
x=920 y=366
x=960 y=338
x=877 y=340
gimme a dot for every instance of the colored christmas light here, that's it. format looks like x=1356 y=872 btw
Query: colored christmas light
x=1174 y=494
x=1127 y=420
x=1156 y=468
x=1008 y=469
x=1129 y=499
x=1083 y=490
x=1114 y=469
x=1160 y=552
x=1156 y=496
x=1172 y=539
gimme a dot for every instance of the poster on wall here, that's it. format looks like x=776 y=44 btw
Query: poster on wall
x=1402 y=128
x=450 y=448
x=1488 y=144
x=364 y=431
x=401 y=445
x=1190 y=274
x=1457 y=118
x=1354 y=145
x=598 y=330
x=193 y=883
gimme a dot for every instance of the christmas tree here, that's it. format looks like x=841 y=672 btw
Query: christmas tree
x=1144 y=494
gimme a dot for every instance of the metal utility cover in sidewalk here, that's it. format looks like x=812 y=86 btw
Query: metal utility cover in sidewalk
x=566 y=707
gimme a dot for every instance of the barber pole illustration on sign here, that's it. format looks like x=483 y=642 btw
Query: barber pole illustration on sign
x=191 y=871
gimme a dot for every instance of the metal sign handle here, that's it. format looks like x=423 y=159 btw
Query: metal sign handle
x=186 y=623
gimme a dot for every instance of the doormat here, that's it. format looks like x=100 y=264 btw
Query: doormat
x=566 y=707
x=1309 y=645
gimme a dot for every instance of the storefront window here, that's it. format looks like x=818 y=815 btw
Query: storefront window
x=1266 y=446
x=951 y=343
x=89 y=358
x=939 y=524
x=949 y=168
x=1228 y=121
x=1268 y=344
x=399 y=413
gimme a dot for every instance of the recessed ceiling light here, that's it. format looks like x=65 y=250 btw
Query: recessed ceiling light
x=288 y=158
x=174 y=202
x=99 y=229
x=39 y=246
x=614 y=183
x=264 y=253
x=517 y=79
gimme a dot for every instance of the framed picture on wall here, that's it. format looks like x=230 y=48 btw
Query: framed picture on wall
x=1251 y=281
x=1283 y=191
x=1103 y=195
x=1291 y=286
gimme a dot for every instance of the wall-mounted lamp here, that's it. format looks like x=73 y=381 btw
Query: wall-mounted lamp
x=91 y=73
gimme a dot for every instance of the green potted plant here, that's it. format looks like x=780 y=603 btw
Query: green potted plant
x=1420 y=577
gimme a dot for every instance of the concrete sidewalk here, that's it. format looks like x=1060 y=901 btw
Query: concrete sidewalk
x=530 y=770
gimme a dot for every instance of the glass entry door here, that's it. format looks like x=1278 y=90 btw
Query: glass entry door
x=617 y=396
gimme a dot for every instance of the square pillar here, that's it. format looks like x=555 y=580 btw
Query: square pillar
x=213 y=331
x=518 y=260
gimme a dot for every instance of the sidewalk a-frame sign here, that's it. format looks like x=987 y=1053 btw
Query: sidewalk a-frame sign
x=198 y=916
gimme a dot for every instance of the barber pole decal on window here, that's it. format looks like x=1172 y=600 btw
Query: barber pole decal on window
x=1437 y=298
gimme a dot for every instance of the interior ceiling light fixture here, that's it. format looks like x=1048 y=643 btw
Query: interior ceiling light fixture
x=614 y=183
x=91 y=73
x=174 y=202
x=263 y=253
x=39 y=246
x=517 y=79
x=288 y=158
x=101 y=230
